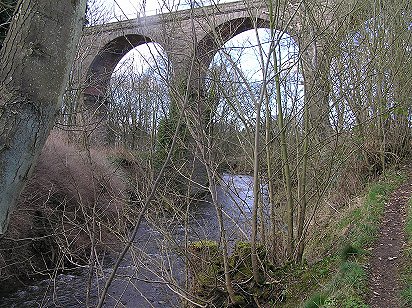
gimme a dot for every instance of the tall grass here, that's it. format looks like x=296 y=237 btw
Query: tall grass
x=69 y=209
x=351 y=235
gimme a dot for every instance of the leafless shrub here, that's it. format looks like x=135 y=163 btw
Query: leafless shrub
x=71 y=205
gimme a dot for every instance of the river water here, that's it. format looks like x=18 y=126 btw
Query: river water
x=155 y=264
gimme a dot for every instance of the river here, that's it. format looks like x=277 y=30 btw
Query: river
x=154 y=266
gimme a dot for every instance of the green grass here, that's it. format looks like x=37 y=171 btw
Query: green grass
x=303 y=280
x=339 y=278
x=317 y=300
x=345 y=285
x=349 y=251
x=406 y=274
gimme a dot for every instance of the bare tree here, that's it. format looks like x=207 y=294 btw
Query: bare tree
x=33 y=78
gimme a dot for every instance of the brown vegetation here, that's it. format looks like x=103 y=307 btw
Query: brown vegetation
x=70 y=206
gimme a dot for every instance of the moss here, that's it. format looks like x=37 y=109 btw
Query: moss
x=205 y=244
x=208 y=274
x=206 y=264
x=241 y=261
x=239 y=300
x=242 y=254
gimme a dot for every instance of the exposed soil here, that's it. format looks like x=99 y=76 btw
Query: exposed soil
x=384 y=286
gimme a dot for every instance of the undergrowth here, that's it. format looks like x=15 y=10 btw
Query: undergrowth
x=337 y=280
x=348 y=244
x=70 y=207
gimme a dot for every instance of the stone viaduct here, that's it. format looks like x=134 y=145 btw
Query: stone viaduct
x=190 y=39
x=183 y=35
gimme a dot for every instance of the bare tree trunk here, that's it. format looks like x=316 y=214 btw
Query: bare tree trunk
x=35 y=63
x=271 y=184
x=302 y=186
x=281 y=126
x=223 y=240
x=285 y=159
x=256 y=192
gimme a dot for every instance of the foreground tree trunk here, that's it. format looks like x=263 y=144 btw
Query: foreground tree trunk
x=35 y=63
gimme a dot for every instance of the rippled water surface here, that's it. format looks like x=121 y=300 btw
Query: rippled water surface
x=153 y=266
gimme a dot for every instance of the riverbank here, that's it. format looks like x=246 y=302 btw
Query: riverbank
x=66 y=213
x=53 y=231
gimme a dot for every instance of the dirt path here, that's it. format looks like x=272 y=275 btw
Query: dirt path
x=385 y=260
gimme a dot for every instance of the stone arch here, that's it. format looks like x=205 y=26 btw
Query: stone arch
x=101 y=68
x=212 y=42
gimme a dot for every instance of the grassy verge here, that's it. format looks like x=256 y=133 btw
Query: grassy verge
x=406 y=273
x=340 y=278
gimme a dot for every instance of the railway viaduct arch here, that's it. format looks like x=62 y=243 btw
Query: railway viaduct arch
x=190 y=39
x=200 y=32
